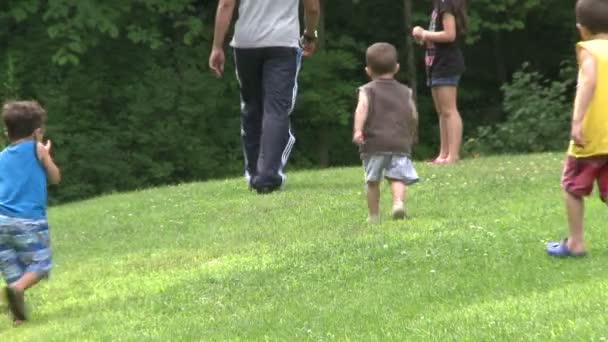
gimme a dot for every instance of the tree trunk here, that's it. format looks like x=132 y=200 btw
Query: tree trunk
x=409 y=47
x=500 y=63
x=324 y=144
x=10 y=89
x=323 y=140
x=499 y=57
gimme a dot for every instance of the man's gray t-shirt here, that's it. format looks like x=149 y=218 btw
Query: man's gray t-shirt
x=267 y=23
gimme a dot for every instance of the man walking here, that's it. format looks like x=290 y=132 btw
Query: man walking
x=267 y=55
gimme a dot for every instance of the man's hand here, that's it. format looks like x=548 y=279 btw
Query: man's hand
x=358 y=138
x=312 y=11
x=308 y=46
x=577 y=134
x=223 y=17
x=217 y=60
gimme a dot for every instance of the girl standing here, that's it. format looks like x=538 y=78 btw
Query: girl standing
x=445 y=65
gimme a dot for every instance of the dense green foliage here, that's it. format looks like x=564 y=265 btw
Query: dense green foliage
x=212 y=262
x=539 y=116
x=132 y=103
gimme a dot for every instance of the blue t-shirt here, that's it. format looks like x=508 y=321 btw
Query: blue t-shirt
x=23 y=184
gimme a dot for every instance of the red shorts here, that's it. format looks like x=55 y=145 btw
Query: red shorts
x=580 y=174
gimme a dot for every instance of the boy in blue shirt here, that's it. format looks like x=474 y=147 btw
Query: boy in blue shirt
x=26 y=167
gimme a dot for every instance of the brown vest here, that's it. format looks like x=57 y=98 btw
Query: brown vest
x=391 y=125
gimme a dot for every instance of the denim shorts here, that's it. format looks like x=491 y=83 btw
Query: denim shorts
x=24 y=248
x=446 y=81
x=391 y=166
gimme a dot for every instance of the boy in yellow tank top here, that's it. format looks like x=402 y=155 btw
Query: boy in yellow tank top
x=587 y=160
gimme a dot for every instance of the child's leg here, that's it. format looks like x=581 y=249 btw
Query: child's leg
x=446 y=96
x=35 y=253
x=575 y=207
x=16 y=296
x=12 y=270
x=374 y=167
x=31 y=244
x=443 y=132
x=398 y=189
x=373 y=199
x=399 y=173
x=577 y=181
x=26 y=281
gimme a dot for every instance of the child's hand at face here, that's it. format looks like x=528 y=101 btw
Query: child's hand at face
x=44 y=152
x=38 y=135
x=53 y=175
x=358 y=138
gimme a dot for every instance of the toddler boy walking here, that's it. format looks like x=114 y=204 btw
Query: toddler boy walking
x=385 y=130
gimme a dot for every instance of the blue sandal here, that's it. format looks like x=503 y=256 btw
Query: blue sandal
x=560 y=250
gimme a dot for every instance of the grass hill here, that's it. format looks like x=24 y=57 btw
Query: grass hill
x=212 y=261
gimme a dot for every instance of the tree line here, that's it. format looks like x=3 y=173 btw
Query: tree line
x=132 y=104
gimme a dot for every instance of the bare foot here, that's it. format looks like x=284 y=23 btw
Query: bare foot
x=451 y=161
x=438 y=160
x=575 y=248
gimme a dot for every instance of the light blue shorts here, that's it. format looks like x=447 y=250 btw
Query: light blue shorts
x=24 y=248
x=390 y=166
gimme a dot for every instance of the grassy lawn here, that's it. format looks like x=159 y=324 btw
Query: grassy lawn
x=212 y=261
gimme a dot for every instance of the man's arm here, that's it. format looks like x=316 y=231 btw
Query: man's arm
x=312 y=11
x=223 y=17
x=584 y=93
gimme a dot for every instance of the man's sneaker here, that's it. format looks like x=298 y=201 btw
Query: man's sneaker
x=249 y=180
x=399 y=211
x=265 y=190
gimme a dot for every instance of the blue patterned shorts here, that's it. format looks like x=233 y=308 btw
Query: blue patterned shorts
x=24 y=248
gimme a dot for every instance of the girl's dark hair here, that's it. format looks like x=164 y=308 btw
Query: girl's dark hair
x=460 y=13
x=462 y=18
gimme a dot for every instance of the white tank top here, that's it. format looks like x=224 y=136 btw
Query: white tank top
x=267 y=23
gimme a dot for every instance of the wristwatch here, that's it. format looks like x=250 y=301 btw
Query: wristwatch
x=306 y=37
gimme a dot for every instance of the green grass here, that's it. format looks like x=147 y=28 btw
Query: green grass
x=212 y=261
